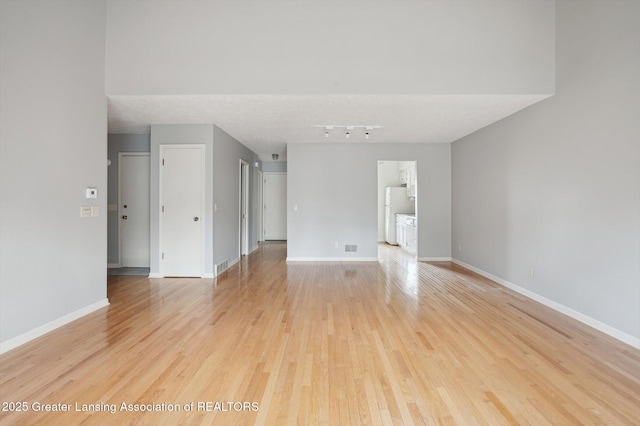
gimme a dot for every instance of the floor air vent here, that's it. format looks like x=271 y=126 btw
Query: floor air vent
x=222 y=266
x=352 y=247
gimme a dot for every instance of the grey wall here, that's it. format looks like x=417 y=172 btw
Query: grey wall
x=222 y=163
x=341 y=205
x=226 y=183
x=116 y=144
x=53 y=142
x=556 y=187
x=274 y=166
x=382 y=47
x=180 y=134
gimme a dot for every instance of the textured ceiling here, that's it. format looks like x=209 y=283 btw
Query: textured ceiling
x=267 y=123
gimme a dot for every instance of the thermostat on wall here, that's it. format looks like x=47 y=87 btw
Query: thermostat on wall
x=92 y=193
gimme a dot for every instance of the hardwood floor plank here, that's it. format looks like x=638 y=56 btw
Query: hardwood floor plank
x=393 y=342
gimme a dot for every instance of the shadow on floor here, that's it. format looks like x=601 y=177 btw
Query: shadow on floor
x=128 y=271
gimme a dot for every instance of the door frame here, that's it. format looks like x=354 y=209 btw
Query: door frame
x=415 y=163
x=260 y=210
x=243 y=229
x=119 y=210
x=202 y=149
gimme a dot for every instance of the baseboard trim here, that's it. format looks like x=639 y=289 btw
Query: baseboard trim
x=13 y=343
x=157 y=275
x=332 y=259
x=578 y=316
x=253 y=249
x=434 y=259
x=113 y=265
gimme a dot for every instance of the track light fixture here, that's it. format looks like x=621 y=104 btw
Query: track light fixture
x=349 y=130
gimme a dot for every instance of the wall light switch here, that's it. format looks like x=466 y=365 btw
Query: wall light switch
x=295 y=207
x=95 y=211
x=85 y=211
x=92 y=193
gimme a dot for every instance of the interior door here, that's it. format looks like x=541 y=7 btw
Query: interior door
x=133 y=208
x=182 y=210
x=244 y=208
x=275 y=206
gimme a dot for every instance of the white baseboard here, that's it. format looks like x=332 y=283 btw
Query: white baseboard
x=434 y=259
x=332 y=259
x=113 y=265
x=585 y=319
x=159 y=275
x=13 y=343
x=253 y=249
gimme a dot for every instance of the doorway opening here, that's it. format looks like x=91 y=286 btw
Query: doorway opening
x=398 y=205
x=244 y=208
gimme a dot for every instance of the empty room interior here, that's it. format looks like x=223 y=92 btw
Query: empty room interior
x=320 y=212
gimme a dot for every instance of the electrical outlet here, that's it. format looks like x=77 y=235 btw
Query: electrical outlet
x=336 y=245
x=459 y=247
x=85 y=211
x=531 y=272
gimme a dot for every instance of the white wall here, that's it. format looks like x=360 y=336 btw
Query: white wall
x=54 y=114
x=193 y=47
x=556 y=187
x=335 y=187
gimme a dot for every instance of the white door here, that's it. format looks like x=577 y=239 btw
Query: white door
x=244 y=208
x=133 y=208
x=275 y=206
x=181 y=212
x=260 y=203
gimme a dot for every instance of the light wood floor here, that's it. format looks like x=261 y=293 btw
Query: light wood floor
x=395 y=342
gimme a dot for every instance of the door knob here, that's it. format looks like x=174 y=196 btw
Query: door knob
x=195 y=219
x=124 y=217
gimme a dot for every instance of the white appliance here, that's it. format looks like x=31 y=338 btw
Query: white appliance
x=396 y=201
